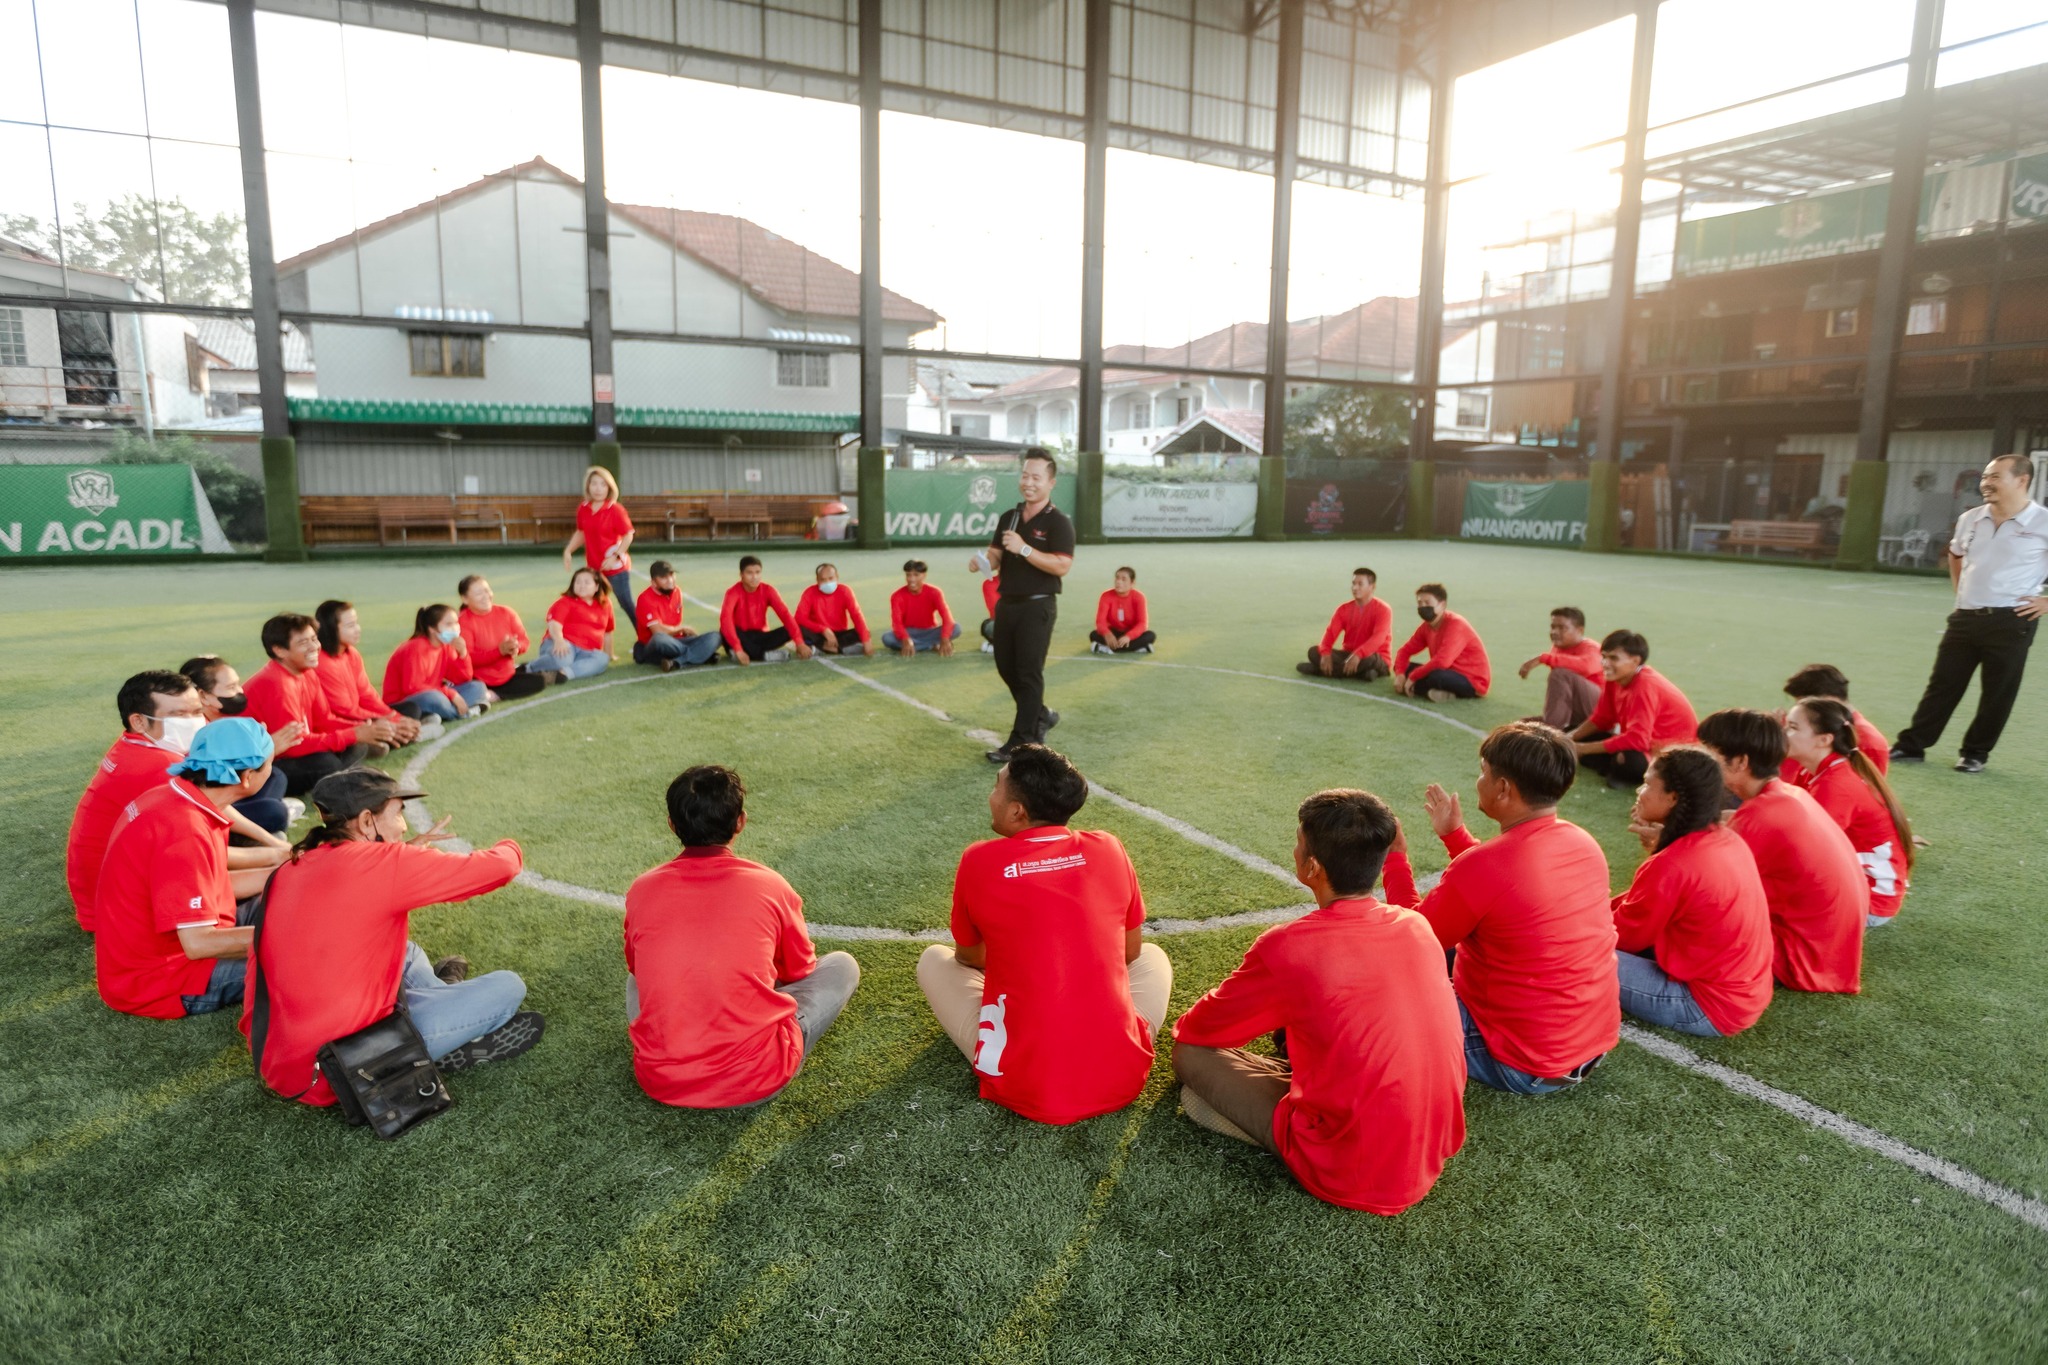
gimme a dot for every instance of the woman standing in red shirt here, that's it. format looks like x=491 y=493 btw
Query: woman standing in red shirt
x=578 y=643
x=431 y=671
x=343 y=678
x=604 y=533
x=1820 y=736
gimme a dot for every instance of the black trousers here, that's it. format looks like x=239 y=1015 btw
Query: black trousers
x=1139 y=641
x=1996 y=642
x=520 y=684
x=1023 y=634
x=1625 y=765
x=302 y=772
x=759 y=642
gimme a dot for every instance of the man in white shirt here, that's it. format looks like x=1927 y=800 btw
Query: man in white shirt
x=1997 y=560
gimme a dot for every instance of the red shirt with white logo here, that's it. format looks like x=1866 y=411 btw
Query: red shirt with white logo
x=1869 y=739
x=1363 y=630
x=278 y=696
x=332 y=945
x=920 y=610
x=602 y=528
x=1865 y=818
x=584 y=624
x=1120 y=613
x=166 y=870
x=1814 y=885
x=483 y=632
x=1698 y=907
x=1648 y=714
x=1450 y=643
x=1376 y=1104
x=345 y=682
x=1060 y=1039
x=837 y=612
x=132 y=766
x=709 y=935
x=656 y=608
x=422 y=664
x=1582 y=658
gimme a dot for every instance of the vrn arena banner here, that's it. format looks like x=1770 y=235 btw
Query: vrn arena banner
x=958 y=504
x=65 y=509
x=1546 y=513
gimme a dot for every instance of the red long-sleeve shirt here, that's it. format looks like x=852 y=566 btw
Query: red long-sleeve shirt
x=1364 y=630
x=345 y=682
x=423 y=665
x=1814 y=885
x=919 y=610
x=483 y=633
x=1529 y=915
x=743 y=610
x=1647 y=713
x=278 y=696
x=1450 y=643
x=836 y=612
x=1582 y=658
x=1699 y=908
x=1116 y=614
x=1864 y=817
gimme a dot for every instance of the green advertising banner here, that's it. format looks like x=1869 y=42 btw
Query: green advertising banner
x=68 y=509
x=957 y=504
x=1547 y=513
x=2030 y=188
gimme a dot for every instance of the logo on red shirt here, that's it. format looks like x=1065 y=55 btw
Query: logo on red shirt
x=1059 y=864
x=992 y=1036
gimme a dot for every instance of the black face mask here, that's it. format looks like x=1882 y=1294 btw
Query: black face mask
x=235 y=705
x=1426 y=613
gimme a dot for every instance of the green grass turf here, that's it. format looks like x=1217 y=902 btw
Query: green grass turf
x=154 y=1205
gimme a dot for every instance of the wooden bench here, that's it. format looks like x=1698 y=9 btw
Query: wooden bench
x=670 y=512
x=1793 y=537
x=550 y=518
x=451 y=514
x=337 y=520
x=754 y=514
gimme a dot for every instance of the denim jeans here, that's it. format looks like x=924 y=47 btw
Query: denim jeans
x=433 y=701
x=692 y=649
x=569 y=661
x=223 y=988
x=819 y=999
x=1653 y=997
x=924 y=638
x=622 y=598
x=449 y=1016
x=1483 y=1067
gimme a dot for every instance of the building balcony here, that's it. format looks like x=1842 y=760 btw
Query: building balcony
x=67 y=395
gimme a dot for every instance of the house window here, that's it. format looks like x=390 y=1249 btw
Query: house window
x=1926 y=317
x=1471 y=409
x=448 y=355
x=803 y=369
x=13 y=338
x=1182 y=406
x=1842 y=322
x=1141 y=413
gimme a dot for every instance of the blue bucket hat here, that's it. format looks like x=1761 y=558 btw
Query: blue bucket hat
x=225 y=749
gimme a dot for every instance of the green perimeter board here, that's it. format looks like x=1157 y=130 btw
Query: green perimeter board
x=928 y=505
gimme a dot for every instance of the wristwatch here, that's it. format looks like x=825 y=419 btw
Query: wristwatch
x=1027 y=552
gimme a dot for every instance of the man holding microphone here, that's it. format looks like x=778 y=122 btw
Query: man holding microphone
x=1032 y=551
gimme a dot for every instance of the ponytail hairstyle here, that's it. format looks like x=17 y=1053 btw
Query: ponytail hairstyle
x=327 y=832
x=427 y=618
x=1693 y=777
x=1833 y=718
x=327 y=625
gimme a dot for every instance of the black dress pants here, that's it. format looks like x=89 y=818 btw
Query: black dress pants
x=302 y=772
x=1023 y=634
x=1995 y=641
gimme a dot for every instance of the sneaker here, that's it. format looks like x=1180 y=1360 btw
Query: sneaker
x=294 y=811
x=1966 y=764
x=1142 y=649
x=1901 y=754
x=479 y=708
x=453 y=968
x=1438 y=694
x=998 y=756
x=776 y=656
x=987 y=648
x=1097 y=647
x=430 y=727
x=1052 y=718
x=516 y=1035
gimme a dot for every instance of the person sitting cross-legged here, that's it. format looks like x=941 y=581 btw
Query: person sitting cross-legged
x=1573 y=686
x=496 y=638
x=743 y=620
x=1693 y=930
x=220 y=694
x=429 y=673
x=1121 y=624
x=658 y=621
x=1640 y=714
x=288 y=690
x=1048 y=988
x=829 y=616
x=1363 y=628
x=725 y=996
x=345 y=679
x=919 y=619
x=1456 y=667
x=578 y=638
x=1370 y=1101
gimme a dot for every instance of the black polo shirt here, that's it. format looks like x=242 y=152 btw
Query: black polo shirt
x=1051 y=532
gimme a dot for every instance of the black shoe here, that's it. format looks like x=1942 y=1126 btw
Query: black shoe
x=516 y=1035
x=1001 y=755
x=1966 y=764
x=1901 y=754
x=1052 y=718
x=1306 y=667
x=453 y=968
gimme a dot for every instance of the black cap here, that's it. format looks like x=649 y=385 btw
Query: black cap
x=350 y=792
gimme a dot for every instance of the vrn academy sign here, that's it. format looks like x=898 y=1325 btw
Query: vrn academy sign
x=123 y=509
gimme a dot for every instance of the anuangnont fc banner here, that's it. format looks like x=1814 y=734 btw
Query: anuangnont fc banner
x=61 y=509
x=1547 y=513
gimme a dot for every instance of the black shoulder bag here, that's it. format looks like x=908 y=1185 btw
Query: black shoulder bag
x=381 y=1074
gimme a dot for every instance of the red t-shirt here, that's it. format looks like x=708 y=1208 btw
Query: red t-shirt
x=1528 y=913
x=1647 y=713
x=483 y=633
x=991 y=589
x=920 y=610
x=709 y=935
x=1867 y=821
x=1869 y=739
x=278 y=696
x=424 y=665
x=1116 y=614
x=1060 y=1039
x=1376 y=1105
x=1582 y=658
x=345 y=683
x=333 y=943
x=1450 y=643
x=743 y=610
x=653 y=608
x=1698 y=907
x=132 y=766
x=837 y=612
x=584 y=624
x=166 y=870
x=602 y=528
x=1365 y=630
x=1814 y=885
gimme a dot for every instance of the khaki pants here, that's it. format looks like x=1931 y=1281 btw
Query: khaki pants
x=954 y=991
x=1568 y=699
x=1230 y=1091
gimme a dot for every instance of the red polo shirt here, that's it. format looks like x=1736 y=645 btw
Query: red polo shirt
x=1116 y=614
x=133 y=765
x=345 y=682
x=1528 y=913
x=424 y=665
x=602 y=528
x=584 y=624
x=1376 y=1105
x=1365 y=630
x=653 y=609
x=278 y=696
x=166 y=870
x=743 y=610
x=1864 y=817
x=910 y=611
x=333 y=943
x=837 y=612
x=1060 y=1040
x=1582 y=658
x=1450 y=643
x=483 y=632
x=1698 y=907
x=1869 y=739
x=1814 y=885
x=709 y=935
x=1647 y=713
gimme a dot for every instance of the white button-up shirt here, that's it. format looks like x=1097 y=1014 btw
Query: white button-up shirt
x=2003 y=563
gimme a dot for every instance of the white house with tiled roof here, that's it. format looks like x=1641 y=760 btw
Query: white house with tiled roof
x=509 y=248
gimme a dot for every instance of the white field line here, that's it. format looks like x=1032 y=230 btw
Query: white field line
x=1296 y=681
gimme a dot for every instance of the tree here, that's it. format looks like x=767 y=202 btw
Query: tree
x=236 y=496
x=162 y=243
x=1334 y=421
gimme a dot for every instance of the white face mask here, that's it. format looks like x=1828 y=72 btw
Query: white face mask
x=830 y=585
x=179 y=731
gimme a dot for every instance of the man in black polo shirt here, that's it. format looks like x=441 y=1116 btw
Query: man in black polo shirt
x=1032 y=550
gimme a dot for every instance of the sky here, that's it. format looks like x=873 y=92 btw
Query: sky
x=981 y=224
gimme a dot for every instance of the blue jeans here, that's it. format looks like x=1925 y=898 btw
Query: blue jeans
x=926 y=638
x=694 y=649
x=622 y=598
x=569 y=661
x=1483 y=1067
x=434 y=702
x=223 y=988
x=1653 y=997
x=449 y=1016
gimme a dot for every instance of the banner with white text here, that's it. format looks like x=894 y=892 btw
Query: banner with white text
x=61 y=509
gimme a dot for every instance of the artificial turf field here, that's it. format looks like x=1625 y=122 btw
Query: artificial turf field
x=155 y=1204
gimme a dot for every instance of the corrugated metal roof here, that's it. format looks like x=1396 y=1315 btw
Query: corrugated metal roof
x=232 y=341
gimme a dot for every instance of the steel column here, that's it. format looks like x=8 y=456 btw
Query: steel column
x=1286 y=144
x=1094 y=212
x=871 y=358
x=1429 y=317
